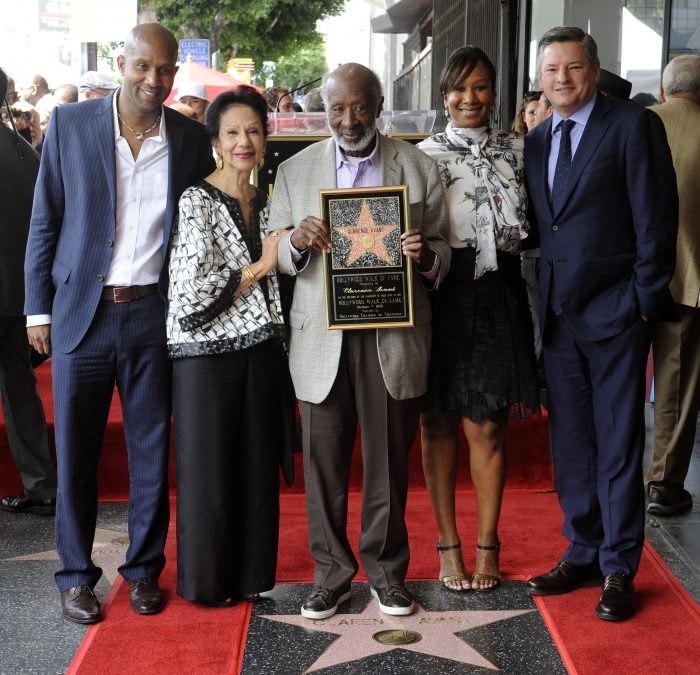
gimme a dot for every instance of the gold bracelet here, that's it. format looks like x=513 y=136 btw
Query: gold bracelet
x=248 y=274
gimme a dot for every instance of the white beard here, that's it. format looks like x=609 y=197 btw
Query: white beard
x=358 y=146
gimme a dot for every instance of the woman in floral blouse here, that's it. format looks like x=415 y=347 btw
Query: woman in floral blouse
x=483 y=363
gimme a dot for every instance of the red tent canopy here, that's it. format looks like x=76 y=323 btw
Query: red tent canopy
x=214 y=80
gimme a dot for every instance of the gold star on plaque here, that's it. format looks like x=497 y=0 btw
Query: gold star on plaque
x=367 y=237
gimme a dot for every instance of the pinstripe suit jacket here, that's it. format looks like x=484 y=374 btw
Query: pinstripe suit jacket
x=73 y=222
x=681 y=118
x=315 y=351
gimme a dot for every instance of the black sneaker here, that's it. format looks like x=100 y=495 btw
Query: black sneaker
x=395 y=600
x=323 y=602
x=665 y=500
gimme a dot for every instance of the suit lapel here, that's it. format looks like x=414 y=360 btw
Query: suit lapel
x=389 y=168
x=543 y=177
x=175 y=141
x=595 y=129
x=104 y=120
x=322 y=174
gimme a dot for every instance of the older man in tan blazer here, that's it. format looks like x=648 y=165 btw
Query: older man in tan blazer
x=676 y=346
x=374 y=376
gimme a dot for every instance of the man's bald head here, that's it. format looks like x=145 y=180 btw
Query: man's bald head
x=147 y=64
x=150 y=33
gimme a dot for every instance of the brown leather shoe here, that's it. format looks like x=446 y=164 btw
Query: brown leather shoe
x=617 y=599
x=80 y=605
x=145 y=597
x=565 y=577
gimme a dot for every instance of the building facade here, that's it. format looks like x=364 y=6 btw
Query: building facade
x=636 y=38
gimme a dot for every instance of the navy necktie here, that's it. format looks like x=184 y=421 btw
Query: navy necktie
x=561 y=172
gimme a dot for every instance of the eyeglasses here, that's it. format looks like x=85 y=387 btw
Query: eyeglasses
x=22 y=115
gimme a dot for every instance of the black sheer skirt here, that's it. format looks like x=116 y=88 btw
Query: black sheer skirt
x=483 y=358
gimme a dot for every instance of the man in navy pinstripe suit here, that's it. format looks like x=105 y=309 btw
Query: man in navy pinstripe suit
x=110 y=178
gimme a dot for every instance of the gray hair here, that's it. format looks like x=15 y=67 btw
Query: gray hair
x=682 y=75
x=352 y=70
x=569 y=34
x=313 y=101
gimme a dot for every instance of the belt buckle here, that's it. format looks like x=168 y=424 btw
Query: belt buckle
x=118 y=299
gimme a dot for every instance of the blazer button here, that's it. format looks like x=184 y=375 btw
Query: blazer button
x=110 y=242
x=100 y=278
x=555 y=228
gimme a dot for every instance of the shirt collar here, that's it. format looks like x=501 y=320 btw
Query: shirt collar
x=341 y=158
x=580 y=116
x=162 y=136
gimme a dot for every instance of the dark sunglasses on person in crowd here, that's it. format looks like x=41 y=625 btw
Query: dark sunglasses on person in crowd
x=22 y=115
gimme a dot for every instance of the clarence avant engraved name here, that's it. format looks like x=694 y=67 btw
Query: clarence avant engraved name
x=378 y=289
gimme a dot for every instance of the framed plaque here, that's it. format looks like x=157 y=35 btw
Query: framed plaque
x=367 y=277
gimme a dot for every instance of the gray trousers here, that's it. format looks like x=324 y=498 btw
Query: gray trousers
x=24 y=412
x=388 y=430
x=676 y=348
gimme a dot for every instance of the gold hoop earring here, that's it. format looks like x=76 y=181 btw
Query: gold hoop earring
x=219 y=162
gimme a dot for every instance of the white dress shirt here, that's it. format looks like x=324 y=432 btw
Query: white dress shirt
x=142 y=193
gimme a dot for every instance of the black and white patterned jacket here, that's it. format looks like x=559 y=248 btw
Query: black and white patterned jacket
x=209 y=249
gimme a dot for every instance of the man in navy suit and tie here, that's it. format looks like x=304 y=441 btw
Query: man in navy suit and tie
x=110 y=178
x=603 y=190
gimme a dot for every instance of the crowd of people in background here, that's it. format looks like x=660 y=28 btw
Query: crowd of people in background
x=30 y=106
x=550 y=254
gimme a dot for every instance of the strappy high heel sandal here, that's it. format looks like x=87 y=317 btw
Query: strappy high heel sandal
x=477 y=578
x=462 y=576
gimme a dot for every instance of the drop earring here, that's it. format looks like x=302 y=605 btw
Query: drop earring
x=219 y=162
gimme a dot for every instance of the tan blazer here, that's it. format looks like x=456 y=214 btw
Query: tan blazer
x=315 y=351
x=681 y=118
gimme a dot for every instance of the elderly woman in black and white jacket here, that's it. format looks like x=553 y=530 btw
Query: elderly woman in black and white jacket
x=225 y=334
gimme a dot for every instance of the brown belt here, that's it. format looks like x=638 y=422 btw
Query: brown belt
x=120 y=294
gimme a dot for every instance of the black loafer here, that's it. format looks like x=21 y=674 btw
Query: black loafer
x=80 y=605
x=564 y=577
x=145 y=597
x=395 y=600
x=323 y=602
x=25 y=504
x=666 y=500
x=616 y=602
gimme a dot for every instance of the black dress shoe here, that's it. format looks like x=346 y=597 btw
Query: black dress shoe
x=395 y=600
x=25 y=504
x=564 y=577
x=616 y=602
x=145 y=597
x=323 y=602
x=80 y=605
x=668 y=500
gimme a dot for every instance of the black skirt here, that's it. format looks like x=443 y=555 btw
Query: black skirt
x=229 y=430
x=483 y=358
